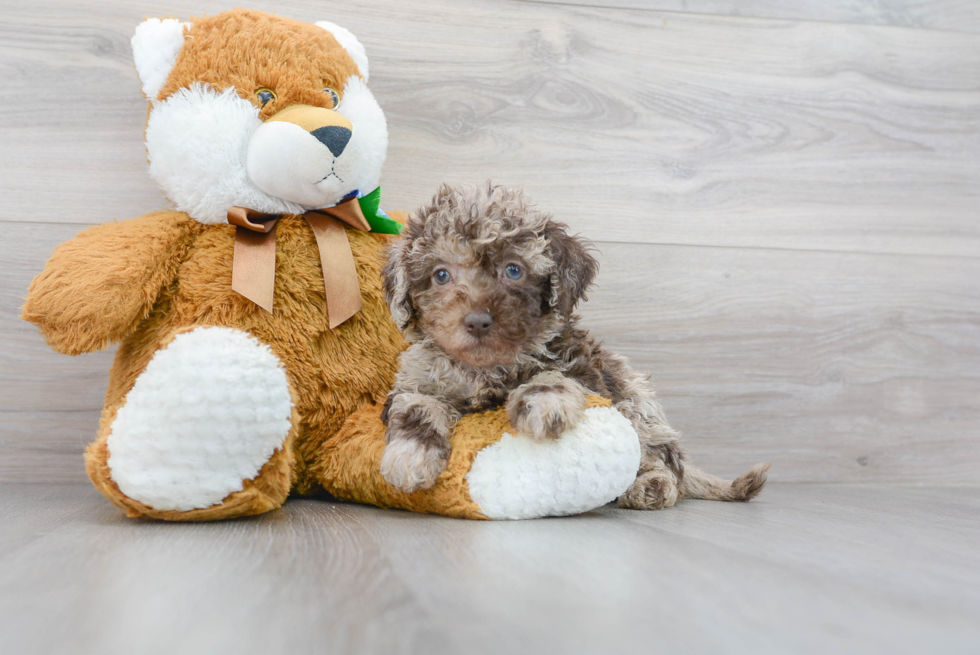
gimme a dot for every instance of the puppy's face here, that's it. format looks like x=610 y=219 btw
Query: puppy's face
x=479 y=270
x=481 y=305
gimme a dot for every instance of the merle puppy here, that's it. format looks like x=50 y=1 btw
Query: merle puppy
x=484 y=285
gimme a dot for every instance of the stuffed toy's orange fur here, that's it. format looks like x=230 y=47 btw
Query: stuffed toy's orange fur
x=215 y=407
x=144 y=281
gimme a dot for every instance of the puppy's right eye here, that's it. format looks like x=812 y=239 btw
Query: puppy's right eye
x=441 y=276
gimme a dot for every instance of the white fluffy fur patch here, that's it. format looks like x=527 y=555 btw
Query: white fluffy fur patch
x=361 y=162
x=198 y=144
x=348 y=42
x=156 y=44
x=590 y=465
x=206 y=414
x=197 y=141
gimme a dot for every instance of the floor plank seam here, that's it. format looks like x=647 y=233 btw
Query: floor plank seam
x=663 y=244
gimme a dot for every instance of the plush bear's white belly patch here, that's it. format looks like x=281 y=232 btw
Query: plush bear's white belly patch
x=590 y=465
x=206 y=414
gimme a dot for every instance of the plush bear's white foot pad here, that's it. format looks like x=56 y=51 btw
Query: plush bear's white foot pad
x=589 y=466
x=206 y=414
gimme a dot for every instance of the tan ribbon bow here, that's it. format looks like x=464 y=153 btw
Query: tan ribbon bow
x=254 y=267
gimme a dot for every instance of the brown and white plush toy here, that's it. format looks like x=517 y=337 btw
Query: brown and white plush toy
x=255 y=345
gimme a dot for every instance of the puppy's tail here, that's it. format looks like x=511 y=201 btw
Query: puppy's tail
x=698 y=484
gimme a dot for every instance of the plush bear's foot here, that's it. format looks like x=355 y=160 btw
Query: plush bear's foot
x=493 y=473
x=204 y=432
x=588 y=466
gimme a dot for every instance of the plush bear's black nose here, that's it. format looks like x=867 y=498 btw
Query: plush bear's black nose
x=335 y=138
x=478 y=323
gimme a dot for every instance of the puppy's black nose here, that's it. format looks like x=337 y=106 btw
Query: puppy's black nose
x=478 y=323
x=334 y=137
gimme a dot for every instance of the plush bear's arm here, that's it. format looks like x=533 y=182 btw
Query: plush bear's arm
x=491 y=473
x=97 y=286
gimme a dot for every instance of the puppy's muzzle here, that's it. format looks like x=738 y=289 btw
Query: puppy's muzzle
x=293 y=155
x=478 y=324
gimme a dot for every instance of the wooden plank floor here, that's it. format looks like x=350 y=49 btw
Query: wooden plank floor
x=804 y=569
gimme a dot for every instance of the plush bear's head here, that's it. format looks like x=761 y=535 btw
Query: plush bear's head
x=258 y=111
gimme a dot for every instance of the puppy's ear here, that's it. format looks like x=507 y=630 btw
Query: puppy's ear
x=396 y=284
x=575 y=268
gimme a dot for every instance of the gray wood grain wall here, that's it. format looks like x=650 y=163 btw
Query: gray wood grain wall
x=785 y=196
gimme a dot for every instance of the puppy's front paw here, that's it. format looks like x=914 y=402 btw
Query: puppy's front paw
x=411 y=464
x=545 y=411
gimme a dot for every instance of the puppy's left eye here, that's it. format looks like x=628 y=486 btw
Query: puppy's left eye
x=513 y=271
x=332 y=98
x=442 y=276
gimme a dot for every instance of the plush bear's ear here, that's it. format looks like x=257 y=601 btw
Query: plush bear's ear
x=575 y=268
x=350 y=43
x=156 y=44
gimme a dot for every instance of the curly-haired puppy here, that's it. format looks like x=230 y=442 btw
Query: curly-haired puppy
x=484 y=285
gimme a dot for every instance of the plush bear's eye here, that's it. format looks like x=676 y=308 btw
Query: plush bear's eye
x=265 y=96
x=332 y=98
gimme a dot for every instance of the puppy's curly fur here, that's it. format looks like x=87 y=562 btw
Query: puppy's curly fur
x=484 y=285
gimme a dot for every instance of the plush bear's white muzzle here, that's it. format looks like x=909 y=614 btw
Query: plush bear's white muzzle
x=300 y=155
